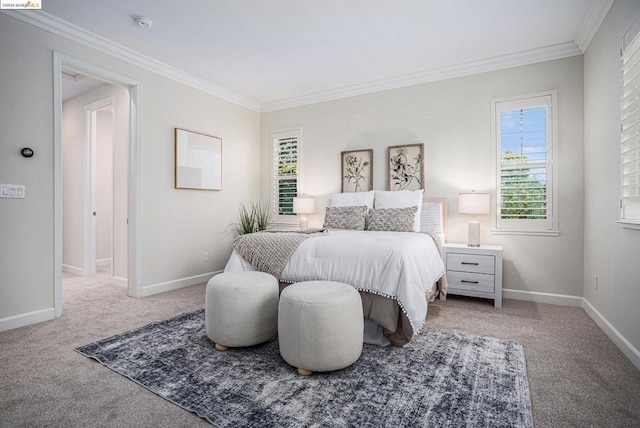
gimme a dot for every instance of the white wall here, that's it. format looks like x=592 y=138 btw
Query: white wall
x=453 y=120
x=611 y=252
x=180 y=225
x=73 y=163
x=177 y=225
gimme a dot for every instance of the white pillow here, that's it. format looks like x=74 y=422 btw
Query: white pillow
x=401 y=199
x=431 y=218
x=352 y=199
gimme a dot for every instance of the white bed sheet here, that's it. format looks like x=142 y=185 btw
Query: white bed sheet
x=398 y=265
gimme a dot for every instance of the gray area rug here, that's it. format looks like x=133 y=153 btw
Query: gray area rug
x=442 y=378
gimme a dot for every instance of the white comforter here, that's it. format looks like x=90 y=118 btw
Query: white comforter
x=398 y=265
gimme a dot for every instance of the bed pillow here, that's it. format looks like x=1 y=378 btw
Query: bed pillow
x=351 y=199
x=392 y=219
x=401 y=199
x=431 y=218
x=351 y=217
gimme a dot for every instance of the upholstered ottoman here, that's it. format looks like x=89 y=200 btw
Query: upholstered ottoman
x=320 y=326
x=241 y=309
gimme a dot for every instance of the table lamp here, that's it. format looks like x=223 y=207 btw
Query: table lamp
x=473 y=203
x=304 y=205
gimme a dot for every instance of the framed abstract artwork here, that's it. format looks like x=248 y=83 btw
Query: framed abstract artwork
x=405 y=166
x=357 y=170
x=198 y=161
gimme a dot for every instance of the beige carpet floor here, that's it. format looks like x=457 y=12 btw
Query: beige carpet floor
x=577 y=376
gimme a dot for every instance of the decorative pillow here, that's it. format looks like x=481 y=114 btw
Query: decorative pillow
x=401 y=199
x=352 y=199
x=392 y=219
x=345 y=217
x=431 y=218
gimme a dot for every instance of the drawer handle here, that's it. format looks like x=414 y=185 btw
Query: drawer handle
x=470 y=282
x=471 y=263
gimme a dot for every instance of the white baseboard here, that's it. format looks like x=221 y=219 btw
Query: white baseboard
x=124 y=282
x=538 y=297
x=616 y=337
x=103 y=262
x=161 y=287
x=35 y=317
x=29 y=318
x=72 y=269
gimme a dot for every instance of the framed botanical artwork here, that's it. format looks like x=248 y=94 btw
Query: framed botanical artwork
x=405 y=165
x=198 y=161
x=357 y=170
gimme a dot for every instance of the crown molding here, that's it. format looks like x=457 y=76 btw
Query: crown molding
x=595 y=15
x=79 y=35
x=47 y=22
x=527 y=57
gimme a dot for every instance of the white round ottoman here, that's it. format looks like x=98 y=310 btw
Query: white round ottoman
x=320 y=326
x=241 y=309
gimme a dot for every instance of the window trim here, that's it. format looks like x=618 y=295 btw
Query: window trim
x=631 y=36
x=276 y=218
x=552 y=162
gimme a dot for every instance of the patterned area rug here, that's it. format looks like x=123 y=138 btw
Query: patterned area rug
x=443 y=378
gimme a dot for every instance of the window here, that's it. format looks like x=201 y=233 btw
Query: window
x=524 y=136
x=630 y=133
x=286 y=147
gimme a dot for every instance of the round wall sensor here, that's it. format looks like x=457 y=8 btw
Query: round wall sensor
x=143 y=22
x=26 y=152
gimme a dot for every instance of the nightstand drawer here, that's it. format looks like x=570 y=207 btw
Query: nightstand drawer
x=470 y=263
x=471 y=281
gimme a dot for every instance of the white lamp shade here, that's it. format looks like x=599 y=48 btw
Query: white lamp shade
x=304 y=205
x=474 y=203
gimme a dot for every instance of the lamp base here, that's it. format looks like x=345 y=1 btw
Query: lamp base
x=474 y=234
x=304 y=222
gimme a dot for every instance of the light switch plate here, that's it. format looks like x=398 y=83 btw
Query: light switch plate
x=15 y=191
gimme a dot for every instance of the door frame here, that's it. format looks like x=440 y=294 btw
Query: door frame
x=61 y=61
x=90 y=236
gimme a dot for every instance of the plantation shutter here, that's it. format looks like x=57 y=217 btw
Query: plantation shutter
x=525 y=164
x=630 y=132
x=285 y=172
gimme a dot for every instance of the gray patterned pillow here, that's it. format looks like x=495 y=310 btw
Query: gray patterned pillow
x=392 y=219
x=345 y=217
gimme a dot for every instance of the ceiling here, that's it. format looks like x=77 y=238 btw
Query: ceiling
x=74 y=84
x=287 y=52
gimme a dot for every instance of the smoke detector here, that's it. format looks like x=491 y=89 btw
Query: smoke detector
x=143 y=22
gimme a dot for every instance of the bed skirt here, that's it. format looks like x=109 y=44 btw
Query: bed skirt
x=385 y=324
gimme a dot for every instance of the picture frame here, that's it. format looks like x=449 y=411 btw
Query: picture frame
x=405 y=167
x=357 y=170
x=198 y=161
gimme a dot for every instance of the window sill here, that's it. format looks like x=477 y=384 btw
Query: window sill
x=629 y=224
x=283 y=225
x=526 y=232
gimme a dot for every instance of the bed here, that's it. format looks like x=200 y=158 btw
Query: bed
x=397 y=269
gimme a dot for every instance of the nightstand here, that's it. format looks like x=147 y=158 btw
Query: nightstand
x=474 y=271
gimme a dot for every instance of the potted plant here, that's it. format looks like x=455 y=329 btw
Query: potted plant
x=252 y=218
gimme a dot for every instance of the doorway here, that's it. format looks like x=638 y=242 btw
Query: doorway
x=110 y=236
x=92 y=201
x=95 y=122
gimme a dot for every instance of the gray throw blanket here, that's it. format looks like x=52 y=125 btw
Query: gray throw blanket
x=269 y=251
